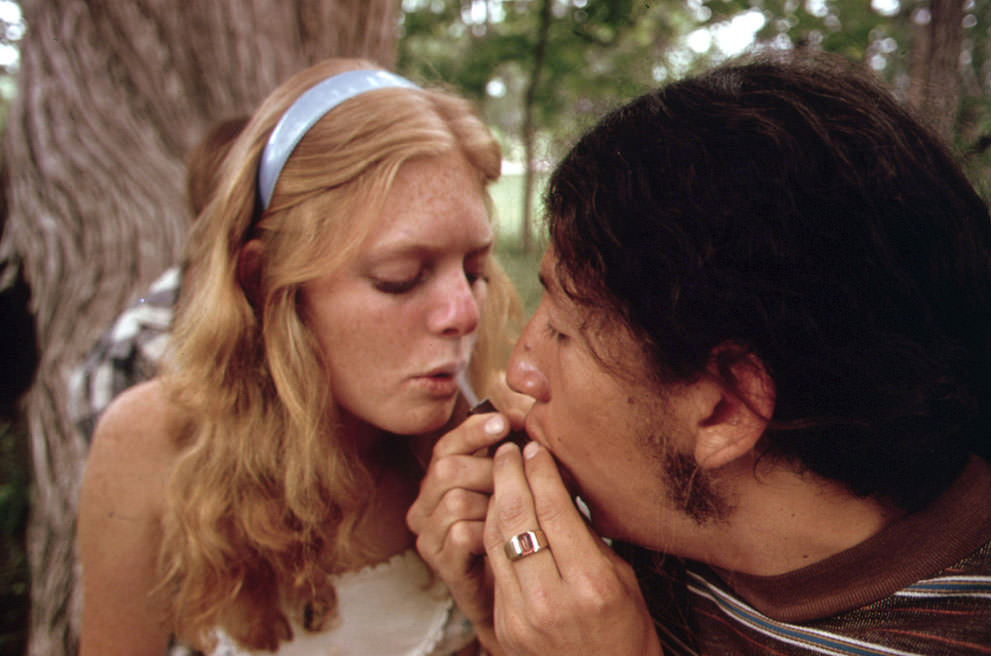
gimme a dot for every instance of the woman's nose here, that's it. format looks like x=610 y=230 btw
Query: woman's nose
x=522 y=372
x=457 y=309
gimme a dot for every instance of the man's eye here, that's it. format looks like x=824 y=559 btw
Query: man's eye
x=554 y=333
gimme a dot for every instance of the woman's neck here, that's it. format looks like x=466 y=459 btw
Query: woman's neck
x=395 y=472
x=395 y=464
x=381 y=530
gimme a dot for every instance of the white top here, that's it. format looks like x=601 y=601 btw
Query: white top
x=395 y=608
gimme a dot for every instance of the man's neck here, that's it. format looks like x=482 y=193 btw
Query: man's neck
x=783 y=520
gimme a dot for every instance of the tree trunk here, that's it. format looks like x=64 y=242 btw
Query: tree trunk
x=111 y=95
x=529 y=131
x=934 y=91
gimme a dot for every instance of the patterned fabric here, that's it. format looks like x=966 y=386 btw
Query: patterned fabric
x=946 y=614
x=922 y=586
x=125 y=355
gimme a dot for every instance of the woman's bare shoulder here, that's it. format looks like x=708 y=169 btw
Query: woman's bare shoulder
x=134 y=445
x=121 y=508
x=144 y=418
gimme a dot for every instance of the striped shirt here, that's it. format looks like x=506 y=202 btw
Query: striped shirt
x=127 y=354
x=921 y=586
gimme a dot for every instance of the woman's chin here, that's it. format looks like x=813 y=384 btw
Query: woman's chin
x=423 y=419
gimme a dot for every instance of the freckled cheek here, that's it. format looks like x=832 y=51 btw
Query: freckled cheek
x=375 y=333
x=400 y=336
x=348 y=335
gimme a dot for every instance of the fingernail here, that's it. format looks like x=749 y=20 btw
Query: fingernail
x=495 y=426
x=530 y=450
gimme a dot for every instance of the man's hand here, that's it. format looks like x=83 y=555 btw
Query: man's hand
x=577 y=596
x=449 y=514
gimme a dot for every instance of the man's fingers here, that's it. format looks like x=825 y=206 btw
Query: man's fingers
x=510 y=508
x=474 y=434
x=575 y=546
x=511 y=514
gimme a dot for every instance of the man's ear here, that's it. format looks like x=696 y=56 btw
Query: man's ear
x=740 y=406
x=249 y=270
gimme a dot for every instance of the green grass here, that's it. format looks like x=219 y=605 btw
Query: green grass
x=522 y=269
x=507 y=195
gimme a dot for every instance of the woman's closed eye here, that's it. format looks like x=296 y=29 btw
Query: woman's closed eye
x=475 y=276
x=476 y=266
x=397 y=285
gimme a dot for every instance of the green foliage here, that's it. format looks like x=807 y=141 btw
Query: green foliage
x=14 y=487
x=599 y=53
x=11 y=32
x=883 y=35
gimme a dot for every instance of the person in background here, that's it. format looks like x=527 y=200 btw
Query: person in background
x=128 y=353
x=763 y=361
x=344 y=299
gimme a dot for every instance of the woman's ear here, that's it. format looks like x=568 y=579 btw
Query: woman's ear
x=249 y=270
x=741 y=410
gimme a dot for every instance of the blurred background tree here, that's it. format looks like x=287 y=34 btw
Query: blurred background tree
x=109 y=94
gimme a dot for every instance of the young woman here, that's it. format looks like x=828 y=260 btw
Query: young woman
x=253 y=496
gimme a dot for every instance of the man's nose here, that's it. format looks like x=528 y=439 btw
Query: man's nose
x=522 y=372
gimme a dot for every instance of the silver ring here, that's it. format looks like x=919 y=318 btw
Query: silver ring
x=526 y=544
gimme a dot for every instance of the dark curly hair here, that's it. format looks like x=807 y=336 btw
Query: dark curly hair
x=795 y=209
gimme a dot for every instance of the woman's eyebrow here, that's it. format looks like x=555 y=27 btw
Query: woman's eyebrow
x=411 y=248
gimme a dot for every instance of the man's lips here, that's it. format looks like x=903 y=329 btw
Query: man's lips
x=569 y=480
x=517 y=437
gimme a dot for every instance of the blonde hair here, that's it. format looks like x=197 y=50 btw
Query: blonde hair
x=265 y=493
x=203 y=161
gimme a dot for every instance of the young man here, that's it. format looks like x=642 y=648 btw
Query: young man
x=763 y=360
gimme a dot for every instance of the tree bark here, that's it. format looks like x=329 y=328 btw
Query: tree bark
x=529 y=129
x=934 y=91
x=110 y=96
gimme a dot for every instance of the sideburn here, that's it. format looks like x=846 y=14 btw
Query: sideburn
x=691 y=489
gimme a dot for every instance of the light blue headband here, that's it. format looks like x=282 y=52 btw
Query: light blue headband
x=306 y=111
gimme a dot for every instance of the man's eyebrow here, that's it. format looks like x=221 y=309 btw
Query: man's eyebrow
x=552 y=288
x=549 y=285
